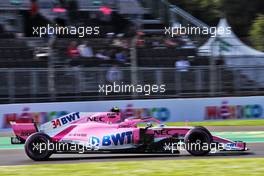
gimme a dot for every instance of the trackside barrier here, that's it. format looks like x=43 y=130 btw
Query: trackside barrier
x=166 y=110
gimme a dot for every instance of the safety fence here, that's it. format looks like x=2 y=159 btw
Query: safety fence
x=50 y=84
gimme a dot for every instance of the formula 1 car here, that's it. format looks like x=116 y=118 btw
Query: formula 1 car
x=107 y=132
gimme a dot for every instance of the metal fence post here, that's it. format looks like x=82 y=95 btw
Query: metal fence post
x=198 y=79
x=11 y=85
x=219 y=79
x=257 y=78
x=33 y=85
x=177 y=74
x=78 y=79
x=158 y=75
x=51 y=83
x=134 y=69
x=102 y=81
x=235 y=82
x=212 y=74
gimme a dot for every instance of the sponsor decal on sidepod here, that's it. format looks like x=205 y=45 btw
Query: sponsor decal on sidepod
x=113 y=139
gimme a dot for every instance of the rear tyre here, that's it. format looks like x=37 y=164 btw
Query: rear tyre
x=36 y=146
x=198 y=141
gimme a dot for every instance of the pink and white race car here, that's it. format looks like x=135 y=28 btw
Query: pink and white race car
x=83 y=132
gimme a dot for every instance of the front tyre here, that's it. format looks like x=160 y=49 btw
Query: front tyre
x=37 y=146
x=198 y=141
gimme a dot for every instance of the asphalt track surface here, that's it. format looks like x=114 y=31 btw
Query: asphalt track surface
x=18 y=156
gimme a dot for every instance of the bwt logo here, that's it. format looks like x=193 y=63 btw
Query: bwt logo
x=113 y=139
x=94 y=141
x=226 y=111
x=65 y=119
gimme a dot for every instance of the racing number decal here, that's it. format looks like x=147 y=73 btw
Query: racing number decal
x=65 y=119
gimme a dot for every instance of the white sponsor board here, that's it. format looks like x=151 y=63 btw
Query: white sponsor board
x=167 y=110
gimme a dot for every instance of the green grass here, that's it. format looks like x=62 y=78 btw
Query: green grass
x=223 y=167
x=259 y=122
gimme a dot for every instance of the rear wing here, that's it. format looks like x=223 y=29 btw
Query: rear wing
x=22 y=131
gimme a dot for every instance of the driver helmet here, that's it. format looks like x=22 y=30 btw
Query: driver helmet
x=115 y=109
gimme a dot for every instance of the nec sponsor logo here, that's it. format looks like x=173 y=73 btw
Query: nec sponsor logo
x=95 y=119
x=101 y=118
x=113 y=139
x=65 y=120
x=161 y=132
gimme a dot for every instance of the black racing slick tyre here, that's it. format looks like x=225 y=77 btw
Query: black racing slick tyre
x=205 y=130
x=198 y=141
x=37 y=146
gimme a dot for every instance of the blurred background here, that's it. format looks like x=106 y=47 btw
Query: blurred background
x=131 y=48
